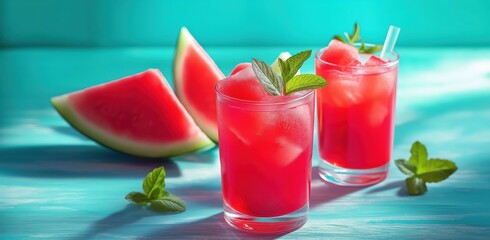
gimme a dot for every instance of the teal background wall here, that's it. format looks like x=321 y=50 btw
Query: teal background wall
x=52 y=47
x=121 y=23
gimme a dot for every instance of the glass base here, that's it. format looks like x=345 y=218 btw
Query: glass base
x=352 y=177
x=280 y=224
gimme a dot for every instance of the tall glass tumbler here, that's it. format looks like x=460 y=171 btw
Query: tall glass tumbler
x=356 y=120
x=265 y=154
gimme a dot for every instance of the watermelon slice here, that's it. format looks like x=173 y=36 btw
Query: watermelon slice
x=195 y=77
x=138 y=115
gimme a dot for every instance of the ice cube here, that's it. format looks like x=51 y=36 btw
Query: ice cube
x=297 y=121
x=245 y=139
x=378 y=86
x=250 y=126
x=363 y=58
x=377 y=112
x=287 y=151
x=342 y=90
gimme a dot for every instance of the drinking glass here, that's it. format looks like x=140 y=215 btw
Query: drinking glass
x=265 y=154
x=356 y=120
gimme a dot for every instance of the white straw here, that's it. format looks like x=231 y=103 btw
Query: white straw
x=390 y=40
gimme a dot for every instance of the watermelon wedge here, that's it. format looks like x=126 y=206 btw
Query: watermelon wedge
x=195 y=76
x=137 y=115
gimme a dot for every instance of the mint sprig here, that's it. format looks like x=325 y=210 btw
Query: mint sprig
x=303 y=82
x=155 y=194
x=291 y=66
x=169 y=201
x=137 y=198
x=154 y=183
x=272 y=82
x=421 y=170
x=355 y=37
x=287 y=82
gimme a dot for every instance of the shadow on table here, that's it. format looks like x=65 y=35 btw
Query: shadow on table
x=400 y=184
x=130 y=214
x=209 y=196
x=195 y=196
x=69 y=131
x=323 y=192
x=202 y=156
x=215 y=226
x=205 y=156
x=210 y=227
x=67 y=161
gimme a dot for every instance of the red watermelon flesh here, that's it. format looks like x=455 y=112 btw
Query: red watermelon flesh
x=243 y=85
x=375 y=61
x=195 y=78
x=240 y=67
x=138 y=115
x=340 y=53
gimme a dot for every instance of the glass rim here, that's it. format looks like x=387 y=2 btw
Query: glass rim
x=266 y=103
x=386 y=65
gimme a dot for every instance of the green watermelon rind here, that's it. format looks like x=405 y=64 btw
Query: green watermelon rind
x=184 y=41
x=135 y=148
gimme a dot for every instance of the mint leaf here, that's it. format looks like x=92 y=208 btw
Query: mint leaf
x=406 y=167
x=356 y=34
x=355 y=37
x=416 y=186
x=294 y=64
x=168 y=204
x=340 y=38
x=137 y=198
x=422 y=171
x=285 y=68
x=373 y=49
x=154 y=181
x=436 y=170
x=363 y=47
x=272 y=83
x=290 y=66
x=303 y=82
x=288 y=82
x=155 y=194
x=419 y=154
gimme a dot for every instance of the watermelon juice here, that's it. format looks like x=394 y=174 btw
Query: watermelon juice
x=265 y=145
x=355 y=114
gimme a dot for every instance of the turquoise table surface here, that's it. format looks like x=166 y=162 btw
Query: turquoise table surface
x=57 y=184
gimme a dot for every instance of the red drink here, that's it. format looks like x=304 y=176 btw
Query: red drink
x=355 y=117
x=265 y=151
